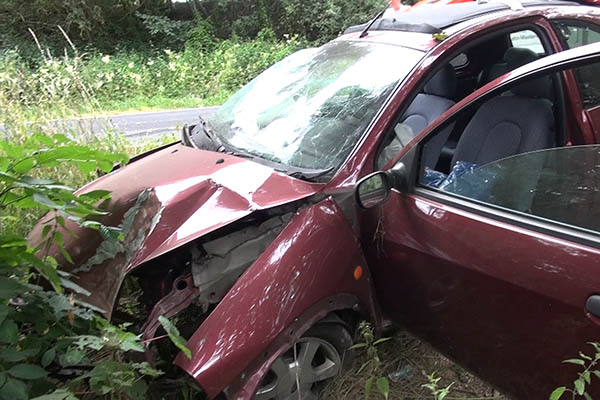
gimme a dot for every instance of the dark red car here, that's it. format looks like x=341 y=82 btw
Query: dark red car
x=481 y=235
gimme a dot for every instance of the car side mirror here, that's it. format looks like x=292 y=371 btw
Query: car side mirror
x=375 y=188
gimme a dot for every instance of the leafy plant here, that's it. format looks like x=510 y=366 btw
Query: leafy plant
x=589 y=368
x=206 y=71
x=174 y=335
x=163 y=29
x=432 y=384
x=372 y=366
x=48 y=335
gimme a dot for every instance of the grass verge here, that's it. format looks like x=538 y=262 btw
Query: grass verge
x=407 y=361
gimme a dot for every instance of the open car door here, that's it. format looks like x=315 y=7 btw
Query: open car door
x=497 y=261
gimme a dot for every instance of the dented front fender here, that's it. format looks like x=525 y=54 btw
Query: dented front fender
x=311 y=261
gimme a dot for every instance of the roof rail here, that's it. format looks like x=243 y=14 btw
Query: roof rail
x=512 y=4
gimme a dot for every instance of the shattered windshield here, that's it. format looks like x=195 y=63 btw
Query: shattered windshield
x=309 y=110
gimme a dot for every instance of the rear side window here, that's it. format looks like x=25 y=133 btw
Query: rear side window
x=575 y=34
x=527 y=39
x=588 y=78
x=460 y=61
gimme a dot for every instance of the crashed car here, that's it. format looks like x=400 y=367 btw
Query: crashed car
x=435 y=167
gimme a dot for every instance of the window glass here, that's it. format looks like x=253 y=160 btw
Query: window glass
x=588 y=78
x=527 y=39
x=460 y=61
x=577 y=34
x=559 y=184
x=310 y=109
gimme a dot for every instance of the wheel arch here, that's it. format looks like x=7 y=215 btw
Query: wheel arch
x=308 y=272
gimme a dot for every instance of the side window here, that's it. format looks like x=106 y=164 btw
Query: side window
x=556 y=184
x=460 y=61
x=576 y=34
x=588 y=79
x=435 y=98
x=527 y=39
x=507 y=156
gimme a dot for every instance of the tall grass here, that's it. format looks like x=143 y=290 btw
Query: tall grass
x=47 y=100
x=85 y=83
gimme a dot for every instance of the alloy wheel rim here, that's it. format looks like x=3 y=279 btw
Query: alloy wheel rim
x=298 y=373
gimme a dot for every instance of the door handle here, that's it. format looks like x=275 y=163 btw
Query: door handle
x=592 y=305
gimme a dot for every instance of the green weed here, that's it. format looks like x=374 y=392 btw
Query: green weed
x=589 y=366
x=159 y=79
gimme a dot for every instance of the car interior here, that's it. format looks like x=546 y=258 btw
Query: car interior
x=523 y=119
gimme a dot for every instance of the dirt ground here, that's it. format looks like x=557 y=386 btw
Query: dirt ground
x=409 y=361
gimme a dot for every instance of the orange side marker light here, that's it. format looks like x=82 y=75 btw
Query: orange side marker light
x=358 y=272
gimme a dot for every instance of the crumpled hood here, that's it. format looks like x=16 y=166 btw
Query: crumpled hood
x=165 y=200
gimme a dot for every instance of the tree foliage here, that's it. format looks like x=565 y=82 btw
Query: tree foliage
x=101 y=22
x=311 y=19
x=113 y=24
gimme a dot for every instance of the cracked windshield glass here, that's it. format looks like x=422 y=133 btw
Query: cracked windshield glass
x=309 y=110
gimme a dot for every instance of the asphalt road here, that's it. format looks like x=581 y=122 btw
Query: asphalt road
x=139 y=124
x=158 y=122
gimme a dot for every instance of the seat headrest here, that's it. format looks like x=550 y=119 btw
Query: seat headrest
x=443 y=83
x=516 y=57
x=540 y=88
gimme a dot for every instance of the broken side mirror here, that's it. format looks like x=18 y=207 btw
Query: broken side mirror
x=375 y=188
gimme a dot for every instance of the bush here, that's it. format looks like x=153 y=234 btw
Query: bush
x=51 y=342
x=210 y=76
x=201 y=36
x=165 y=31
x=314 y=20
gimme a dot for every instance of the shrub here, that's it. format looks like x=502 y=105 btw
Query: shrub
x=210 y=76
x=52 y=343
x=201 y=36
x=165 y=31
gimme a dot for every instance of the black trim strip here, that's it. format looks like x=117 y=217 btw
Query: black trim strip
x=522 y=220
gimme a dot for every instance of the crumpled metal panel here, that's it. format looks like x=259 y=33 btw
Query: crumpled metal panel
x=312 y=259
x=228 y=257
x=189 y=193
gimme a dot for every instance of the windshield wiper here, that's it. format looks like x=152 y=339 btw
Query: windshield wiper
x=201 y=136
x=223 y=146
x=309 y=175
x=208 y=132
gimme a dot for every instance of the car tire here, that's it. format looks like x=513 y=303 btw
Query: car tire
x=322 y=353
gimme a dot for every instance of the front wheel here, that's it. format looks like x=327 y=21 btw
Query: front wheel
x=300 y=373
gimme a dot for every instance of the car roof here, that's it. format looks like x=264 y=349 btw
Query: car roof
x=415 y=28
x=436 y=16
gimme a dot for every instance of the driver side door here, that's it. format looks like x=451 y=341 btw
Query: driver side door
x=500 y=268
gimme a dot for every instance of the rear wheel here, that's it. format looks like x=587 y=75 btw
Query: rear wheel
x=300 y=373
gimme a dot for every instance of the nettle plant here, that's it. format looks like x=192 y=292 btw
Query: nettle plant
x=53 y=344
x=589 y=366
x=372 y=366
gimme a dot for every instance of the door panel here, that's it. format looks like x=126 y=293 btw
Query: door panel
x=505 y=302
